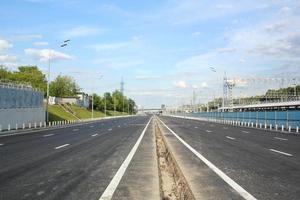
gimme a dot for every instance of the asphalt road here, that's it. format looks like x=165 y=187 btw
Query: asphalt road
x=70 y=163
x=266 y=164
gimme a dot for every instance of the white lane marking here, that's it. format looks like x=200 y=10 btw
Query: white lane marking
x=119 y=126
x=1 y=144
x=281 y=152
x=110 y=129
x=231 y=138
x=225 y=128
x=279 y=138
x=208 y=131
x=112 y=186
x=48 y=135
x=94 y=135
x=75 y=129
x=196 y=127
x=61 y=146
x=91 y=126
x=246 y=195
x=245 y=131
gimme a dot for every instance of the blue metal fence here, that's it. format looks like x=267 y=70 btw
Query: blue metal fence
x=279 y=118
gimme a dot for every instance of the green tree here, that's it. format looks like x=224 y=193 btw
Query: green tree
x=64 y=86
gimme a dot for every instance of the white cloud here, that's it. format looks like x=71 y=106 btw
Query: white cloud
x=28 y=36
x=4 y=45
x=81 y=31
x=43 y=54
x=40 y=43
x=8 y=59
x=181 y=84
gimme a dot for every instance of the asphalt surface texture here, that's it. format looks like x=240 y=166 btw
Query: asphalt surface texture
x=265 y=163
x=82 y=161
x=75 y=162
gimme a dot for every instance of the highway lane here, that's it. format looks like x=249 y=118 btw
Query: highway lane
x=246 y=156
x=70 y=163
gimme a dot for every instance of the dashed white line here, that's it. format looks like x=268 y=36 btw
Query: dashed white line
x=231 y=138
x=196 y=127
x=48 y=135
x=279 y=138
x=109 y=191
x=110 y=129
x=246 y=195
x=75 y=129
x=62 y=146
x=208 y=131
x=1 y=144
x=91 y=126
x=245 y=131
x=281 y=152
x=225 y=127
x=94 y=135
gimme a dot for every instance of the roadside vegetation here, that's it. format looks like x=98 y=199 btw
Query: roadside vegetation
x=66 y=86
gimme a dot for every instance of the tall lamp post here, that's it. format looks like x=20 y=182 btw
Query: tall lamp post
x=64 y=44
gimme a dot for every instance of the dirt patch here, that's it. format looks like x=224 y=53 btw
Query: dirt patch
x=173 y=185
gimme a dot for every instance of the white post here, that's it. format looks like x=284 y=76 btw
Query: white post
x=252 y=124
x=45 y=124
x=289 y=128
x=17 y=126
x=276 y=127
x=34 y=124
x=297 y=129
x=270 y=126
x=40 y=124
x=23 y=126
x=8 y=127
x=0 y=128
x=29 y=126
x=282 y=127
x=260 y=125
x=256 y=125
x=265 y=126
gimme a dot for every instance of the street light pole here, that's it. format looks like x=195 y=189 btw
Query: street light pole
x=65 y=43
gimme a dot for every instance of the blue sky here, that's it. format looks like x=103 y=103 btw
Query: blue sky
x=163 y=49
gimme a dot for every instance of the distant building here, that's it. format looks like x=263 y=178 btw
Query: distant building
x=81 y=100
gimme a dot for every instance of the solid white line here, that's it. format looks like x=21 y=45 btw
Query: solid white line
x=48 y=135
x=231 y=138
x=61 y=146
x=245 y=131
x=109 y=191
x=281 y=152
x=208 y=131
x=94 y=135
x=279 y=138
x=246 y=195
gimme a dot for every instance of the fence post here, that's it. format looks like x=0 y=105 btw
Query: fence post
x=34 y=124
x=270 y=126
x=260 y=125
x=8 y=127
x=289 y=128
x=276 y=127
x=17 y=126
x=287 y=118
x=297 y=129
x=23 y=126
x=29 y=126
x=282 y=127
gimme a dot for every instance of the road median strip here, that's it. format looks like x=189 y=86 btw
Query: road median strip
x=239 y=189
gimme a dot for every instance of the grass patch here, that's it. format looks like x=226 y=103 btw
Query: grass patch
x=56 y=113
